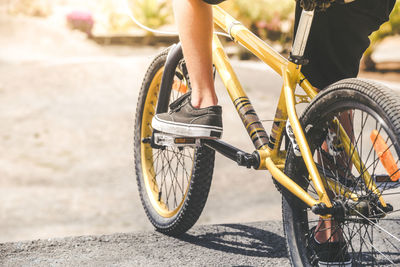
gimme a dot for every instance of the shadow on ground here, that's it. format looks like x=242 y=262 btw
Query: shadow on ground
x=242 y=240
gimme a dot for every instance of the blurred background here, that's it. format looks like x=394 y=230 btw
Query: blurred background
x=70 y=74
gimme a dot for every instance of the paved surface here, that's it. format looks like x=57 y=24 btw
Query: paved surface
x=255 y=244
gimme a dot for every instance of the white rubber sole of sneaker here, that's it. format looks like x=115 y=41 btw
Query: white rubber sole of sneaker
x=182 y=129
x=335 y=264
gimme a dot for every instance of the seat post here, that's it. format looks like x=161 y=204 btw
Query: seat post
x=300 y=41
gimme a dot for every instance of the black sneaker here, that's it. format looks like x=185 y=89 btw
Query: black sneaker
x=185 y=120
x=332 y=254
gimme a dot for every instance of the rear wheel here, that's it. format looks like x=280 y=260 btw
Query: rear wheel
x=173 y=182
x=369 y=226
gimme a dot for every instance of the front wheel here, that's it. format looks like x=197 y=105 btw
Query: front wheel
x=369 y=193
x=173 y=182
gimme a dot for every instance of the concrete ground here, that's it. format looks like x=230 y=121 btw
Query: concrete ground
x=250 y=244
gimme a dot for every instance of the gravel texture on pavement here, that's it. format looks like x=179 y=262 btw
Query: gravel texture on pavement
x=253 y=244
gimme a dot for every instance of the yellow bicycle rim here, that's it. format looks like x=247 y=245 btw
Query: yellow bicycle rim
x=149 y=174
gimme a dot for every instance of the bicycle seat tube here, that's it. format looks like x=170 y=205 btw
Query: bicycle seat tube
x=291 y=77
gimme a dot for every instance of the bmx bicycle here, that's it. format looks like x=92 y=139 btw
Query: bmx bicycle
x=325 y=170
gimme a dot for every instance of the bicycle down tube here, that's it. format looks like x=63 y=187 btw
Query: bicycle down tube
x=269 y=149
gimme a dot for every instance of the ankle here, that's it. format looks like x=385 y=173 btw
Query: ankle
x=204 y=102
x=328 y=234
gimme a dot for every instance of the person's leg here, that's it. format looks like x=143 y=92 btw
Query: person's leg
x=195 y=26
x=196 y=113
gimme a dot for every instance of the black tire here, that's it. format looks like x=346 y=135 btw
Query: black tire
x=372 y=107
x=173 y=183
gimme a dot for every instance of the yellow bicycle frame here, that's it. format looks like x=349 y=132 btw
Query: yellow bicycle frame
x=271 y=157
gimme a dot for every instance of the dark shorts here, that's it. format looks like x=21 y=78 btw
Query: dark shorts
x=339 y=37
x=213 y=2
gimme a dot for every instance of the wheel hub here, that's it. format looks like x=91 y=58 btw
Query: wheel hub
x=365 y=210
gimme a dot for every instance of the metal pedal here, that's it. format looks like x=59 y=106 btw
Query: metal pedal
x=169 y=140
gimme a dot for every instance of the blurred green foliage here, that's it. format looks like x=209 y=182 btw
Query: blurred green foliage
x=112 y=18
x=152 y=13
x=36 y=8
x=269 y=19
x=251 y=12
x=392 y=27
